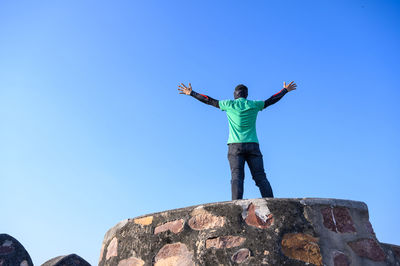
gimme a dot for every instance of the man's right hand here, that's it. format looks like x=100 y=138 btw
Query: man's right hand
x=291 y=86
x=185 y=90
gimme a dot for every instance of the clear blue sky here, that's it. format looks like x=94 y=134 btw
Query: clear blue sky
x=93 y=131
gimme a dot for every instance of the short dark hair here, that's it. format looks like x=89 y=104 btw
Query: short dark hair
x=241 y=91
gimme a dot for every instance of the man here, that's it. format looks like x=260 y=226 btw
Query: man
x=243 y=141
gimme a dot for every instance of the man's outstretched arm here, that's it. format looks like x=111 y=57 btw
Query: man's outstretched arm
x=201 y=97
x=276 y=97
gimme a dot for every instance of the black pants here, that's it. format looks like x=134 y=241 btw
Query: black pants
x=238 y=154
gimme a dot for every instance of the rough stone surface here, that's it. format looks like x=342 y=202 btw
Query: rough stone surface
x=112 y=249
x=338 y=219
x=254 y=219
x=103 y=246
x=368 y=227
x=249 y=232
x=174 y=226
x=341 y=259
x=368 y=248
x=202 y=220
x=396 y=251
x=12 y=252
x=111 y=233
x=302 y=247
x=241 y=255
x=132 y=261
x=174 y=254
x=144 y=221
x=68 y=260
x=390 y=251
x=344 y=223
x=329 y=222
x=225 y=242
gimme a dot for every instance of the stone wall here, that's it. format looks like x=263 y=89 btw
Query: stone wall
x=12 y=252
x=251 y=232
x=67 y=260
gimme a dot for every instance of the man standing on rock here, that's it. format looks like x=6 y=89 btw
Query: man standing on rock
x=243 y=141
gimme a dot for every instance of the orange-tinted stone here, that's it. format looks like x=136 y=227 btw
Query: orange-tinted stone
x=253 y=219
x=368 y=248
x=144 y=221
x=302 y=247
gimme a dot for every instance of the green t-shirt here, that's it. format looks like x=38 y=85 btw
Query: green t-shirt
x=242 y=115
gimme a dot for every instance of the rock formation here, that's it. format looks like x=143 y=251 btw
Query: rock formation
x=251 y=232
x=12 y=252
x=68 y=260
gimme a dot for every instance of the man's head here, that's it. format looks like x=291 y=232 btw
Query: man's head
x=241 y=91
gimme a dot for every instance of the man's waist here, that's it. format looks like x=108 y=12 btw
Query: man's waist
x=241 y=143
x=243 y=138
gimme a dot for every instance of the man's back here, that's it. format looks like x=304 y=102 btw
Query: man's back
x=242 y=115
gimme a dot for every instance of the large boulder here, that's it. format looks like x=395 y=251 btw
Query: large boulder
x=251 y=232
x=12 y=252
x=68 y=260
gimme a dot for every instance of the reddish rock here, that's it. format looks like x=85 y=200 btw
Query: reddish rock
x=204 y=220
x=368 y=248
x=341 y=259
x=174 y=254
x=254 y=220
x=112 y=249
x=338 y=219
x=241 y=255
x=327 y=215
x=174 y=226
x=302 y=247
x=132 y=261
x=344 y=223
x=225 y=242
